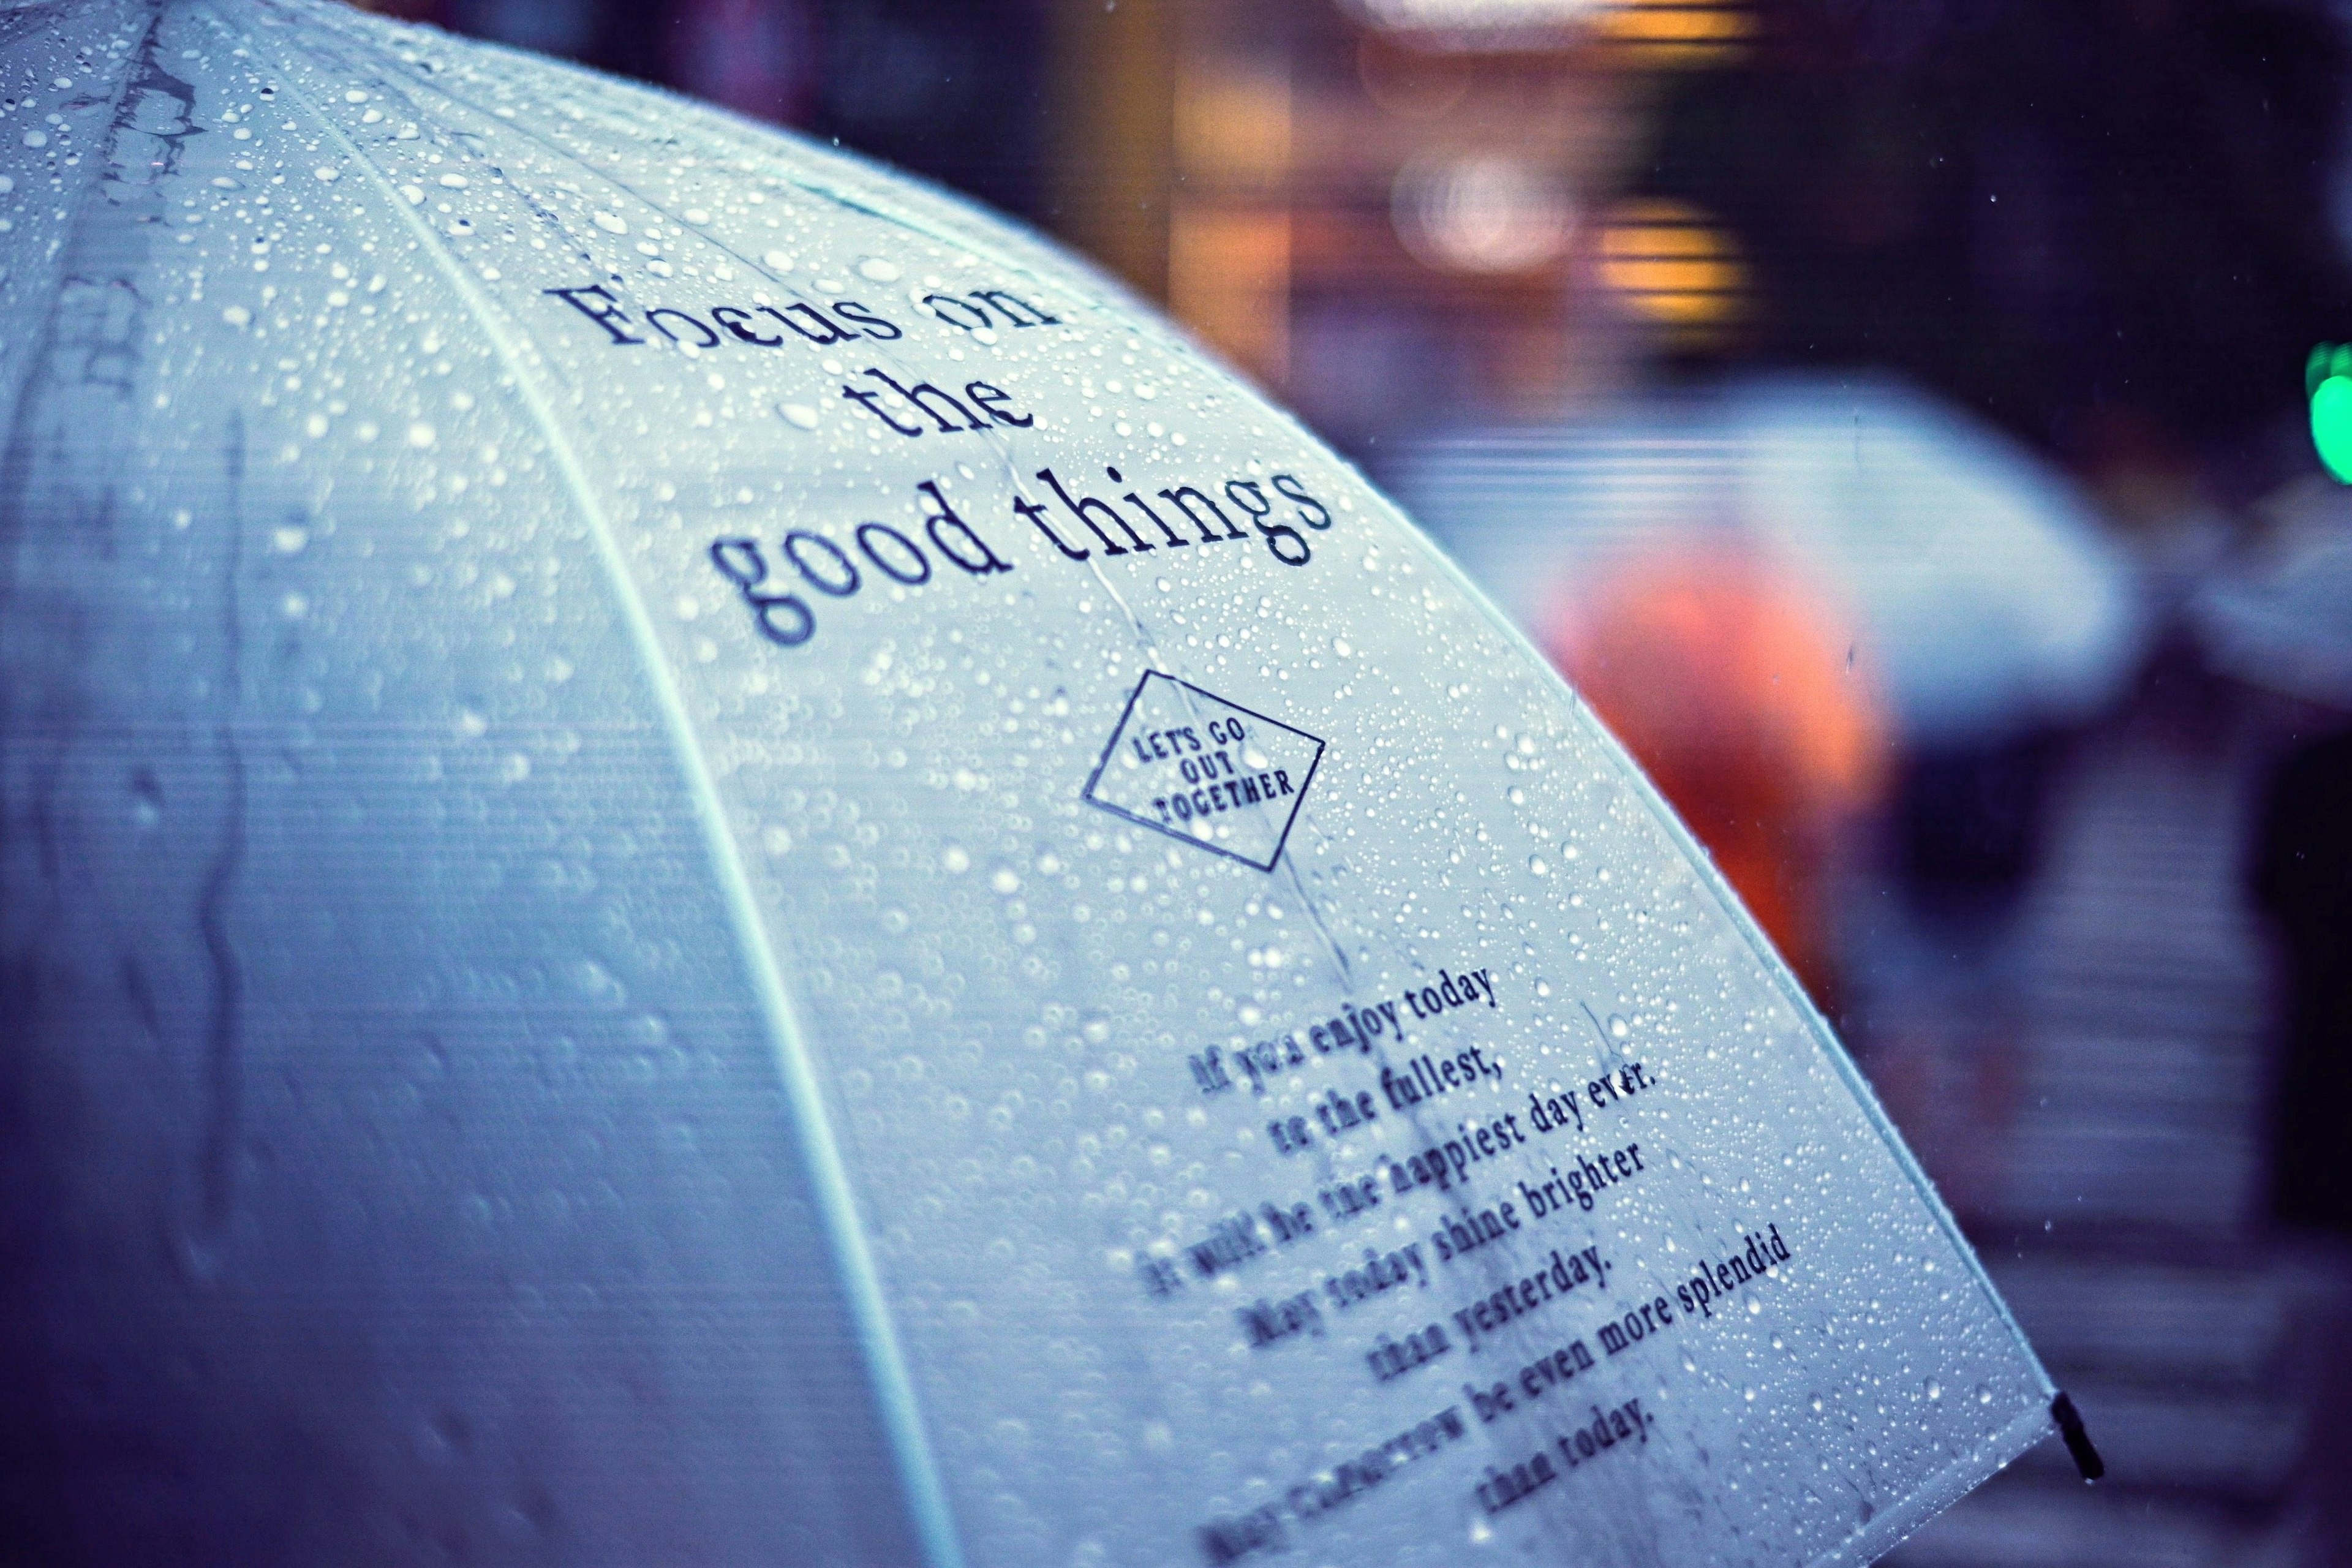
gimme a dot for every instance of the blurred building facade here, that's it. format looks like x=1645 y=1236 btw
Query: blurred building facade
x=1391 y=214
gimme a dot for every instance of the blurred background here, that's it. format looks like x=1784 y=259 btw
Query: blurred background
x=1896 y=416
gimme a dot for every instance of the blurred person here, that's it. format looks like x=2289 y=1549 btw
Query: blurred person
x=2302 y=882
x=2279 y=618
x=2276 y=615
x=1727 y=677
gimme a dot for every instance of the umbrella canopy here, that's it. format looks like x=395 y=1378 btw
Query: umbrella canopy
x=703 y=860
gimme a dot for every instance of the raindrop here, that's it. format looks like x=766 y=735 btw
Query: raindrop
x=612 y=223
x=877 y=269
x=798 y=414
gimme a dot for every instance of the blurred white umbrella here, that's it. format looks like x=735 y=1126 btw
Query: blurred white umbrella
x=2279 y=615
x=1987 y=596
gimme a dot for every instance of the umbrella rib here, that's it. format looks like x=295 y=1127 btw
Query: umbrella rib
x=835 y=1201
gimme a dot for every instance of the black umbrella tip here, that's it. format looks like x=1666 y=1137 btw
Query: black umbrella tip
x=2078 y=1439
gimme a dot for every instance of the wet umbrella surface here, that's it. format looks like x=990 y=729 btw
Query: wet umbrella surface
x=702 y=859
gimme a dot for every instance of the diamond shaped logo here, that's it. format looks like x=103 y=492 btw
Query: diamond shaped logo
x=1214 y=774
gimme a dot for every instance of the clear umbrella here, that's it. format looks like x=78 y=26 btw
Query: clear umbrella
x=702 y=859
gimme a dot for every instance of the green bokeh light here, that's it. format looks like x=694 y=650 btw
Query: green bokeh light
x=2328 y=379
x=2331 y=425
